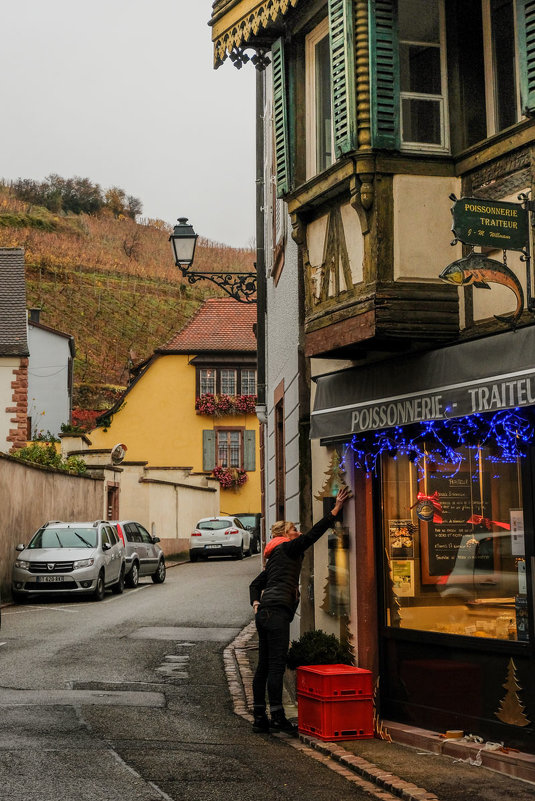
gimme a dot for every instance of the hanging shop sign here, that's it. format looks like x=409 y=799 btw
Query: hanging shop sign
x=490 y=223
x=484 y=375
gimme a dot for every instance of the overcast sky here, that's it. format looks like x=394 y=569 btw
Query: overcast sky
x=123 y=92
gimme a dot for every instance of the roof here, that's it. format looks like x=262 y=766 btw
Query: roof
x=221 y=324
x=13 y=325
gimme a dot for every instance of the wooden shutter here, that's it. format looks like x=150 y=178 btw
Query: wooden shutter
x=208 y=450
x=525 y=14
x=342 y=42
x=384 y=73
x=249 y=451
x=280 y=121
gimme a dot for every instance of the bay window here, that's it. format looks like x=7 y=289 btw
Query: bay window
x=318 y=100
x=422 y=75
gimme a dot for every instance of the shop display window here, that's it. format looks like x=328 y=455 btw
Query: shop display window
x=454 y=551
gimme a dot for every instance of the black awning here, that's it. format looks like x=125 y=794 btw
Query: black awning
x=483 y=375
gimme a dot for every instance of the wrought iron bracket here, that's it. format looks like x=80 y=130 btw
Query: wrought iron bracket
x=240 y=286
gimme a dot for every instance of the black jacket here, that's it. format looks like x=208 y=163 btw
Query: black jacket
x=278 y=584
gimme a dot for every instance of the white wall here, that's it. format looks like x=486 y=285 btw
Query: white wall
x=282 y=336
x=48 y=371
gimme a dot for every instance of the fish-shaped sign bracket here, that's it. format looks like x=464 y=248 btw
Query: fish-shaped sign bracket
x=478 y=270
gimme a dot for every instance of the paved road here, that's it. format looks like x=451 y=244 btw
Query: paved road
x=127 y=699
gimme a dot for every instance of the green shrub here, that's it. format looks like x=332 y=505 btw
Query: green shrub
x=48 y=456
x=318 y=648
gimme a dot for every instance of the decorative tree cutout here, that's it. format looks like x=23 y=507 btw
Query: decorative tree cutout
x=333 y=593
x=334 y=480
x=511 y=711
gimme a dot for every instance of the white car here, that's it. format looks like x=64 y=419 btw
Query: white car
x=219 y=536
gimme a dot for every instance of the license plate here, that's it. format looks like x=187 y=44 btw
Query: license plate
x=213 y=546
x=46 y=579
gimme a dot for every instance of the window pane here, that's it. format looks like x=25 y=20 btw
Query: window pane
x=420 y=69
x=207 y=381
x=235 y=449
x=503 y=44
x=222 y=449
x=323 y=105
x=228 y=382
x=248 y=382
x=462 y=571
x=421 y=121
x=419 y=21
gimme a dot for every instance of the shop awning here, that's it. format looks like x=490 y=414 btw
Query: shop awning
x=483 y=375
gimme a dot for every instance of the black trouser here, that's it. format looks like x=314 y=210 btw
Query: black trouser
x=273 y=626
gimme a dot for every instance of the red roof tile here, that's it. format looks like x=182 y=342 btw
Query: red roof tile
x=221 y=324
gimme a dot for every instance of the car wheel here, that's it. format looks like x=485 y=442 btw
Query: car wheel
x=18 y=597
x=254 y=545
x=118 y=588
x=100 y=589
x=193 y=557
x=239 y=555
x=132 y=579
x=159 y=576
x=248 y=552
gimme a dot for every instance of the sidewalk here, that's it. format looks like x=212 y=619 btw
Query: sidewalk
x=418 y=765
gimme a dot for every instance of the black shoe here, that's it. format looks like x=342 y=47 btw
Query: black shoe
x=261 y=724
x=280 y=723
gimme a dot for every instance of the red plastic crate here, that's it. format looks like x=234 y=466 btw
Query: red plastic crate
x=334 y=681
x=338 y=719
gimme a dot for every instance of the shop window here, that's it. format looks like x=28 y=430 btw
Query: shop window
x=207 y=381
x=422 y=75
x=248 y=382
x=454 y=546
x=318 y=103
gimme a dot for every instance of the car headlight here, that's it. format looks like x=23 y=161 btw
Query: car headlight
x=83 y=563
x=22 y=563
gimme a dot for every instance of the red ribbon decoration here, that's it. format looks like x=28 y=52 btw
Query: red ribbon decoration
x=477 y=520
x=433 y=500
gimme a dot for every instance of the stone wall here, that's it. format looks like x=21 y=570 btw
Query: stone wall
x=31 y=495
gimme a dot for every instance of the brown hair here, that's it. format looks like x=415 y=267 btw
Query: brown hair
x=281 y=528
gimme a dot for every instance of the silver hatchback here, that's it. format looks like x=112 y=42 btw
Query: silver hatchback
x=80 y=558
x=144 y=557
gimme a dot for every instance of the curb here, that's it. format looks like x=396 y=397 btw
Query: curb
x=377 y=782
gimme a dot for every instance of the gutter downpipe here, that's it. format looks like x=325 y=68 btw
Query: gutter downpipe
x=261 y=410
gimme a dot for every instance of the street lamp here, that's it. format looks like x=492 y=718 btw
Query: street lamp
x=240 y=286
x=183 y=240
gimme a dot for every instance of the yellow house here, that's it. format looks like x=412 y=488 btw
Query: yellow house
x=192 y=405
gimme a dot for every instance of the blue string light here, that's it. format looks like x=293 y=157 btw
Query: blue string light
x=507 y=434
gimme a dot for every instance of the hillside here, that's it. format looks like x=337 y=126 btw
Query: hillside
x=111 y=283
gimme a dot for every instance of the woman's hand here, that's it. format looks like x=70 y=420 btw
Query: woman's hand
x=343 y=494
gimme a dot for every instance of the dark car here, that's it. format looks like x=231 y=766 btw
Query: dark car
x=252 y=521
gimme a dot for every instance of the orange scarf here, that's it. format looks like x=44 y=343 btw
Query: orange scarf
x=272 y=544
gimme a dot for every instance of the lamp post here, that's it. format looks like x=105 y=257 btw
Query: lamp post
x=240 y=286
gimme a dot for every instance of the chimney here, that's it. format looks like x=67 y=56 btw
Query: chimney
x=34 y=315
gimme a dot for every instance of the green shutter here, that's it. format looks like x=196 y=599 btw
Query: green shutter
x=384 y=74
x=208 y=450
x=342 y=41
x=249 y=451
x=525 y=14
x=280 y=122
